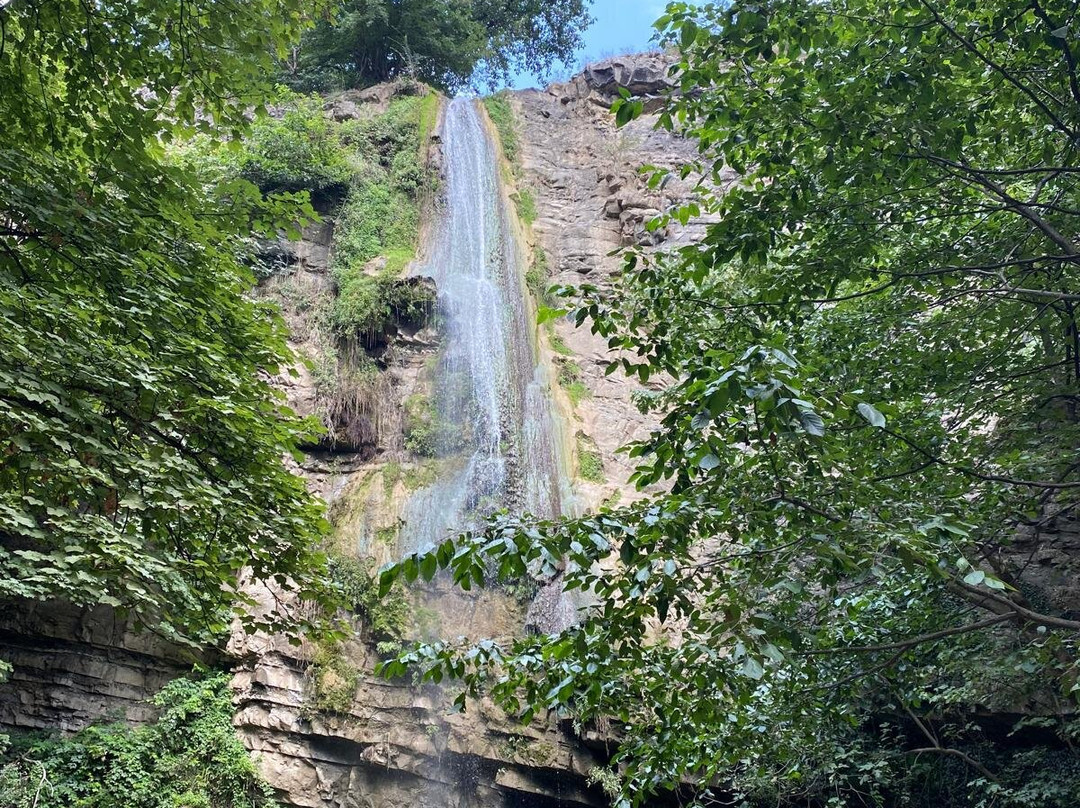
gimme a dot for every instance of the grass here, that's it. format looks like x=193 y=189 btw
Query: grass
x=537 y=278
x=557 y=343
x=570 y=379
x=502 y=115
x=526 y=205
x=421 y=425
x=428 y=114
x=590 y=464
x=387 y=618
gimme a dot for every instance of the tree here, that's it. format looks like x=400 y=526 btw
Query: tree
x=875 y=362
x=439 y=41
x=141 y=462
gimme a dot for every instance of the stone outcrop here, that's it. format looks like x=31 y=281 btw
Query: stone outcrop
x=592 y=200
x=72 y=666
x=400 y=744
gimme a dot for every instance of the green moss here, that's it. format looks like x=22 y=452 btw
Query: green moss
x=421 y=476
x=590 y=464
x=428 y=623
x=391 y=473
x=502 y=115
x=526 y=205
x=352 y=503
x=388 y=535
x=613 y=500
x=421 y=425
x=333 y=681
x=428 y=115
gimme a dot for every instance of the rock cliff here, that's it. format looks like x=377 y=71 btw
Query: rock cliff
x=591 y=200
x=396 y=744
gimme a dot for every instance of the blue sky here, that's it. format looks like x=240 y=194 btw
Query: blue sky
x=621 y=26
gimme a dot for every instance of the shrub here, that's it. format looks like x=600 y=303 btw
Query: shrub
x=189 y=757
x=388 y=617
x=536 y=278
x=367 y=304
x=298 y=151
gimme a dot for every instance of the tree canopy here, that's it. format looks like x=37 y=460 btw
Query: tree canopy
x=870 y=423
x=443 y=42
x=142 y=460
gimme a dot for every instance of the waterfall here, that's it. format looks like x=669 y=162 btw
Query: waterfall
x=499 y=438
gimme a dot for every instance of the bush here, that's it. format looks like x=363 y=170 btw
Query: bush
x=189 y=758
x=367 y=304
x=388 y=617
x=298 y=151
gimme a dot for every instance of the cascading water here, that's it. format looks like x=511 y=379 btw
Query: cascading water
x=497 y=434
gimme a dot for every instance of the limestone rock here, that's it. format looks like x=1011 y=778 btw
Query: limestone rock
x=591 y=200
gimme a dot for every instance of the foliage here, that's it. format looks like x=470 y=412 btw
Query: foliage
x=295 y=150
x=380 y=217
x=143 y=444
x=590 y=464
x=874 y=384
x=387 y=618
x=526 y=205
x=502 y=116
x=190 y=756
x=442 y=43
x=366 y=305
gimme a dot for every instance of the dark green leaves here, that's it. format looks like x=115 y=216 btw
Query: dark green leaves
x=144 y=466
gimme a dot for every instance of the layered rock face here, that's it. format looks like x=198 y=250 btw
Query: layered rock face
x=73 y=666
x=400 y=744
x=592 y=200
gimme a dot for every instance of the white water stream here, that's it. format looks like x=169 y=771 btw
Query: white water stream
x=492 y=394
